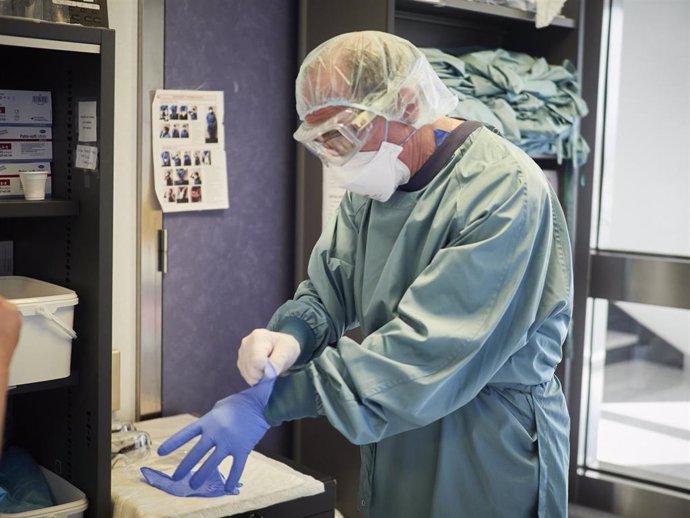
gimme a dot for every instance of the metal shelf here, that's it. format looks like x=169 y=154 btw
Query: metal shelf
x=40 y=34
x=482 y=10
x=42 y=43
x=37 y=209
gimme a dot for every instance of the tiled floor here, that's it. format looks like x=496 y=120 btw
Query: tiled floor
x=576 y=511
x=573 y=512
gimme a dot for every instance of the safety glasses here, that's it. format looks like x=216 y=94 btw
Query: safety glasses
x=339 y=138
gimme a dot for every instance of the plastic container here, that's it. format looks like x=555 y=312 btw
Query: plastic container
x=45 y=342
x=71 y=503
x=37 y=9
x=6 y=8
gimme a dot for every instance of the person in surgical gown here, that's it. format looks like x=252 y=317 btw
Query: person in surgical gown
x=451 y=254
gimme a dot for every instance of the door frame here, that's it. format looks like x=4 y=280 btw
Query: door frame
x=151 y=238
x=609 y=275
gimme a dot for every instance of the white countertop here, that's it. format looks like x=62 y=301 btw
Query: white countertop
x=265 y=482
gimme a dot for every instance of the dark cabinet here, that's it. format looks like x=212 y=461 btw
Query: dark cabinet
x=67 y=240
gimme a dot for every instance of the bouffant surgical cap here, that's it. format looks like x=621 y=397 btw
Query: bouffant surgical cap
x=373 y=71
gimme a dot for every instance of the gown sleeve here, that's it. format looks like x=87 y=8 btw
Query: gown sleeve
x=323 y=307
x=476 y=304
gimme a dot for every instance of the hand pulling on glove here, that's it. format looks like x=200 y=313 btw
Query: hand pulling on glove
x=233 y=427
x=260 y=346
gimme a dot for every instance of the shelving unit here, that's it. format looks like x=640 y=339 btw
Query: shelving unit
x=67 y=240
x=445 y=24
x=467 y=9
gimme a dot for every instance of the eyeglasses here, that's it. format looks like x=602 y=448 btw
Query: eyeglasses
x=339 y=138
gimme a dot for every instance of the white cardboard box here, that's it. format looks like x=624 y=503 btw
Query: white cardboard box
x=26 y=150
x=25 y=133
x=25 y=107
x=45 y=341
x=26 y=143
x=10 y=184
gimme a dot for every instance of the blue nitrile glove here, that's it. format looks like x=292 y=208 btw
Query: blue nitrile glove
x=212 y=486
x=233 y=427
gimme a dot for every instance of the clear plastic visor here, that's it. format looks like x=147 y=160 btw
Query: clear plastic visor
x=338 y=139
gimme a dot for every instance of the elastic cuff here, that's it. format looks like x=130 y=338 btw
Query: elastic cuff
x=293 y=397
x=302 y=332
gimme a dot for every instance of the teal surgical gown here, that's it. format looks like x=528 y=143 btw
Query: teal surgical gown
x=463 y=291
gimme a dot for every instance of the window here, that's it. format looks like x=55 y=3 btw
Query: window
x=637 y=380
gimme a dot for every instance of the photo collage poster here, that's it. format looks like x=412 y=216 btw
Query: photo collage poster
x=189 y=161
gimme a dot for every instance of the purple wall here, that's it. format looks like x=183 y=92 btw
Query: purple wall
x=229 y=270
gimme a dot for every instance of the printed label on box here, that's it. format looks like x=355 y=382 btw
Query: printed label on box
x=28 y=150
x=10 y=183
x=25 y=107
x=19 y=133
x=14 y=168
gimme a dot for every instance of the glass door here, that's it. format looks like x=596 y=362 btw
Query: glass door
x=636 y=384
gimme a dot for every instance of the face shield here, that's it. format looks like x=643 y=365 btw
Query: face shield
x=338 y=139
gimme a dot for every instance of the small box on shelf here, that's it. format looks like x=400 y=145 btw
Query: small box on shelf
x=26 y=143
x=25 y=107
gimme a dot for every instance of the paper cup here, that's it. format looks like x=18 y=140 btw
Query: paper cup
x=34 y=184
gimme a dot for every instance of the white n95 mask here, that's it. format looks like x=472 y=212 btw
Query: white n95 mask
x=375 y=174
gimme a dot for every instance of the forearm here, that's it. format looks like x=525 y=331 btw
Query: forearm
x=314 y=322
x=10 y=325
x=325 y=302
x=4 y=378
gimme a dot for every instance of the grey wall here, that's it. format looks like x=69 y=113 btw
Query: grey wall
x=230 y=269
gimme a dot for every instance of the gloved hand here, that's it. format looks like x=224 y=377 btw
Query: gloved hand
x=233 y=427
x=212 y=486
x=260 y=346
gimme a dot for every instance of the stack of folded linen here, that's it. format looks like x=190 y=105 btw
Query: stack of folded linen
x=535 y=105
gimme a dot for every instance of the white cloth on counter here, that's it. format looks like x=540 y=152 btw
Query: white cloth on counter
x=265 y=482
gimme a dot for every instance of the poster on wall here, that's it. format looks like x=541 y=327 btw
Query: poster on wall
x=189 y=161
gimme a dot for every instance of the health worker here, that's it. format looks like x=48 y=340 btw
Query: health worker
x=450 y=252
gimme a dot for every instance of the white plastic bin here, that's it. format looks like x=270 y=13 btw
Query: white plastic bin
x=45 y=343
x=69 y=501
